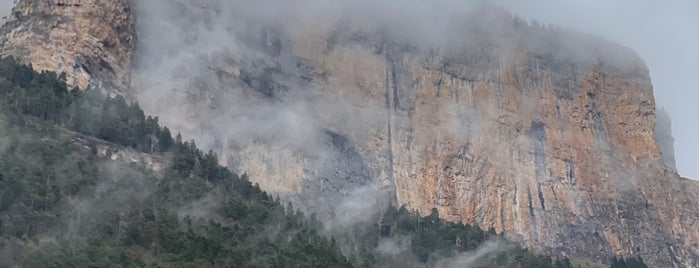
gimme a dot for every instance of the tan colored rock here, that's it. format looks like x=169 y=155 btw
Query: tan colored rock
x=569 y=166
x=543 y=134
x=91 y=41
x=106 y=150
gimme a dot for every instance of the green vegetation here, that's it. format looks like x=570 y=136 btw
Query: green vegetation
x=585 y=263
x=46 y=96
x=406 y=239
x=61 y=206
x=71 y=209
x=243 y=227
x=632 y=262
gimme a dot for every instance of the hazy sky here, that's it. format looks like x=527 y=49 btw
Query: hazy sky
x=5 y=6
x=664 y=32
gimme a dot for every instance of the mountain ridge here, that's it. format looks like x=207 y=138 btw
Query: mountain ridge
x=509 y=126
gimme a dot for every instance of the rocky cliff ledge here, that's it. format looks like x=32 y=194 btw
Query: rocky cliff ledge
x=541 y=133
x=90 y=41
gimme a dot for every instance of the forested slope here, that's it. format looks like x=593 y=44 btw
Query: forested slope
x=63 y=207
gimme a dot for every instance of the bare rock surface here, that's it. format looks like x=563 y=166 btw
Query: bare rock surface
x=90 y=41
x=545 y=134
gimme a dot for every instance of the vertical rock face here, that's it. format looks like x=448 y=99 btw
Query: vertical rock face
x=544 y=134
x=88 y=40
x=553 y=148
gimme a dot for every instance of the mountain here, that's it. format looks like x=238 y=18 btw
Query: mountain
x=87 y=180
x=90 y=41
x=542 y=133
x=97 y=184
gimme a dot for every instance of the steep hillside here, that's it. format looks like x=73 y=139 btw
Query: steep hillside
x=544 y=134
x=69 y=199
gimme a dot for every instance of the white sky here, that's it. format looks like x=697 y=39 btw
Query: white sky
x=665 y=33
x=5 y=6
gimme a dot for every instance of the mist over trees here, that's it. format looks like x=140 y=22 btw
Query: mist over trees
x=61 y=206
x=45 y=95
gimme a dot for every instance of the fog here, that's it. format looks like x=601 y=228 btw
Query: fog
x=664 y=33
x=213 y=78
x=227 y=77
x=5 y=7
x=232 y=85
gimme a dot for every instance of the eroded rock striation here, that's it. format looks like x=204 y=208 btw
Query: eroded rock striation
x=518 y=133
x=90 y=41
x=542 y=133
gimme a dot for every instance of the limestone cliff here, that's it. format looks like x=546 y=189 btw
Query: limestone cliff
x=542 y=133
x=91 y=41
x=553 y=149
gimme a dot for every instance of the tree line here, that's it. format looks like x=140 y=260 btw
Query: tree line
x=68 y=208
x=46 y=96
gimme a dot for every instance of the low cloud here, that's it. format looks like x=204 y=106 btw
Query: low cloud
x=663 y=33
x=471 y=258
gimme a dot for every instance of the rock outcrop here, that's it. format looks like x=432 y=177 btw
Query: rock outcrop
x=155 y=164
x=90 y=41
x=517 y=133
x=541 y=133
